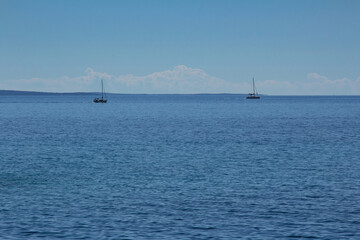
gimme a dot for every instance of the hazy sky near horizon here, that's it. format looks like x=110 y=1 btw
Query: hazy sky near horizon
x=181 y=46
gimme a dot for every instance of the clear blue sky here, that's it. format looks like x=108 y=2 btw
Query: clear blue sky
x=281 y=42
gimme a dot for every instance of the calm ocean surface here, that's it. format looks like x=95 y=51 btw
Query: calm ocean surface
x=179 y=167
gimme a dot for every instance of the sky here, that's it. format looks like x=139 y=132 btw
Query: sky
x=304 y=47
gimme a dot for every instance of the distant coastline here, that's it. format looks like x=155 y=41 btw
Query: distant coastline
x=18 y=92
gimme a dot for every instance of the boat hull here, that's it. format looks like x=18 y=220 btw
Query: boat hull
x=99 y=100
x=253 y=97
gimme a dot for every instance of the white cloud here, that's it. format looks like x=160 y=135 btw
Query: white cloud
x=324 y=85
x=315 y=76
x=183 y=79
x=180 y=79
x=314 y=84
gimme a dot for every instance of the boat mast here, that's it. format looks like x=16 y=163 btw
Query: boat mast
x=102 y=90
x=253 y=86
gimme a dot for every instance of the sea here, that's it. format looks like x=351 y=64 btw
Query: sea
x=201 y=166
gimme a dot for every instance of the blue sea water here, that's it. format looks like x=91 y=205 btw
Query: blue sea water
x=179 y=167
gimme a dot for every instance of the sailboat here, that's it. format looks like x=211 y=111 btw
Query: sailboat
x=102 y=99
x=254 y=94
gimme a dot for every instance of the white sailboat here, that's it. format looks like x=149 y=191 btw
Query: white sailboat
x=254 y=94
x=102 y=99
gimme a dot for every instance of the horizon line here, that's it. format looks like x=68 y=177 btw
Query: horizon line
x=224 y=93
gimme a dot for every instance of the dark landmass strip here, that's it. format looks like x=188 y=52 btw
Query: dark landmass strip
x=15 y=92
